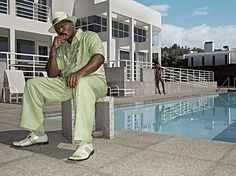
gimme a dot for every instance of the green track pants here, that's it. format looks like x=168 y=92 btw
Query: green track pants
x=39 y=91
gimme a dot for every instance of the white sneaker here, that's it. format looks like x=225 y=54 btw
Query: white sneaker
x=31 y=139
x=83 y=152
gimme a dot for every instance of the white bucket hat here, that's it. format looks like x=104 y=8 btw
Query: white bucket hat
x=59 y=16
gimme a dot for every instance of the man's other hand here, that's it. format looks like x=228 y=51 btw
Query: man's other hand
x=73 y=79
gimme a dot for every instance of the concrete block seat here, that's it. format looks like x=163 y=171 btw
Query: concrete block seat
x=104 y=118
x=114 y=90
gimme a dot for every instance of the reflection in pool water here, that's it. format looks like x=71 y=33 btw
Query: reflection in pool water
x=199 y=117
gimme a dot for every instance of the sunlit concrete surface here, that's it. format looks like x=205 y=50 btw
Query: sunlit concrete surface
x=130 y=153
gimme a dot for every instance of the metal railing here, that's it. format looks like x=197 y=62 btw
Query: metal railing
x=133 y=67
x=166 y=112
x=31 y=10
x=190 y=76
x=227 y=80
x=4 y=6
x=187 y=106
x=170 y=74
x=32 y=65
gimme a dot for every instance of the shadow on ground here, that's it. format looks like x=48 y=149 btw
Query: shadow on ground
x=51 y=149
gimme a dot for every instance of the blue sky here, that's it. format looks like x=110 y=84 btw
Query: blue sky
x=195 y=21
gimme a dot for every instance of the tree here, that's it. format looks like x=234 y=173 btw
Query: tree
x=169 y=56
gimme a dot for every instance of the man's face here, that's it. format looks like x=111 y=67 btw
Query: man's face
x=65 y=28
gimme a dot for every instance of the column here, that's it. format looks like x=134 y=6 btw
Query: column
x=12 y=40
x=109 y=34
x=159 y=48
x=117 y=48
x=12 y=7
x=150 y=43
x=132 y=47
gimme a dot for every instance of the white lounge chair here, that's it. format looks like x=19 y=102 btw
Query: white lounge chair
x=16 y=84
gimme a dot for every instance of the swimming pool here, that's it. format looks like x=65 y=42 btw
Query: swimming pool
x=204 y=117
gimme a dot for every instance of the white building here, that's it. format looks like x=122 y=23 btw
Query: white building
x=210 y=56
x=127 y=28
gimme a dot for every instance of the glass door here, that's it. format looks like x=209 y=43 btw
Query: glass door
x=43 y=51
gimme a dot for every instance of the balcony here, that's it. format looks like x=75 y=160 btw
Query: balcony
x=27 y=9
x=31 y=10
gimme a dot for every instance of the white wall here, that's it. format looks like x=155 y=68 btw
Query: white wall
x=208 y=57
x=63 y=6
x=233 y=55
x=113 y=50
x=137 y=11
x=23 y=24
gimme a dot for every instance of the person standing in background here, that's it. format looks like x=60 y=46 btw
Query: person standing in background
x=158 y=71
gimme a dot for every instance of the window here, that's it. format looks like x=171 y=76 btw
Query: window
x=78 y=23
x=24 y=8
x=97 y=19
x=126 y=34
x=94 y=28
x=144 y=33
x=25 y=46
x=104 y=21
x=191 y=61
x=3 y=6
x=90 y=19
x=140 y=35
x=135 y=38
x=115 y=24
x=94 y=19
x=83 y=21
x=42 y=10
x=140 y=32
x=213 y=60
x=3 y=46
x=126 y=28
x=119 y=30
x=92 y=23
x=144 y=39
x=84 y=28
x=140 y=39
x=226 y=59
x=43 y=50
x=203 y=60
x=121 y=26
x=116 y=33
x=121 y=34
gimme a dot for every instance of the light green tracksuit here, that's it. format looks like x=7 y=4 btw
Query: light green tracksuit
x=70 y=58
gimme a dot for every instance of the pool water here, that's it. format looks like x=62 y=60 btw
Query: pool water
x=204 y=117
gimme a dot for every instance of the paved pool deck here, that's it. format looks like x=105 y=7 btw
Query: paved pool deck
x=130 y=153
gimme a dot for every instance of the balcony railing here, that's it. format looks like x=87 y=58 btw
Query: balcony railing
x=133 y=67
x=32 y=65
x=170 y=74
x=31 y=10
x=199 y=77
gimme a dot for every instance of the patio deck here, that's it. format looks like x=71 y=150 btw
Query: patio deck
x=130 y=153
